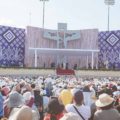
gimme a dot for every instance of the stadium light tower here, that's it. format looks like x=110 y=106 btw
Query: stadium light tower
x=109 y=3
x=43 y=12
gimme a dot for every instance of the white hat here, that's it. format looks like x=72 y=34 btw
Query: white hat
x=70 y=116
x=24 y=113
x=27 y=96
x=118 y=87
x=104 y=100
x=15 y=99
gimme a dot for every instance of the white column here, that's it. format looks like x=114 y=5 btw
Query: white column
x=58 y=39
x=65 y=46
x=96 y=60
x=92 y=60
x=58 y=47
x=35 y=58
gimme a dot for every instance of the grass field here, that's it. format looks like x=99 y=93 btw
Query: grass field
x=22 y=71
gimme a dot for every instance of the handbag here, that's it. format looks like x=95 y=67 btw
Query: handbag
x=79 y=113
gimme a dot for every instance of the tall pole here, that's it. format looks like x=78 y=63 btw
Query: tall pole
x=109 y=3
x=43 y=19
x=43 y=13
x=30 y=18
x=108 y=17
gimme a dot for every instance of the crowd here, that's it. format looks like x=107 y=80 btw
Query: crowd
x=59 y=98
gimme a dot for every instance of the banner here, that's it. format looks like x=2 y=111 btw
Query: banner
x=12 y=46
x=109 y=44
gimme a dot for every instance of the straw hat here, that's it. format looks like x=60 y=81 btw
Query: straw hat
x=23 y=113
x=104 y=100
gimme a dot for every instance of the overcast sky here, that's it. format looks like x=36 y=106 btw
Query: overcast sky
x=78 y=14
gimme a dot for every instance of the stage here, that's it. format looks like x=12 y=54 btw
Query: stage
x=45 y=72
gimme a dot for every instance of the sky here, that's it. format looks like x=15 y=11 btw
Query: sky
x=78 y=14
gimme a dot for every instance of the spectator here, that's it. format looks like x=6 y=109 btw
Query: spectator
x=78 y=107
x=54 y=110
x=38 y=100
x=1 y=105
x=88 y=93
x=106 y=110
x=16 y=108
x=65 y=96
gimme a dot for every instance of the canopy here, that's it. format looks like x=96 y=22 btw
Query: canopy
x=70 y=52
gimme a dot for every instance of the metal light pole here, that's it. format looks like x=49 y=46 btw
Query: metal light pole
x=43 y=12
x=109 y=3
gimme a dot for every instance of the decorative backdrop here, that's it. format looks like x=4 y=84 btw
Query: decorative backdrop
x=12 y=46
x=80 y=39
x=109 y=45
x=35 y=39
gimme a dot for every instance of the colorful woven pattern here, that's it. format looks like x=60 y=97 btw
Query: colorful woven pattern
x=12 y=46
x=109 y=45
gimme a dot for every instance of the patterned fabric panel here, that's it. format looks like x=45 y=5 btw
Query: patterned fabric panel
x=12 y=46
x=109 y=45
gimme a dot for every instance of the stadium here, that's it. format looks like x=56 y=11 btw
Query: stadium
x=59 y=73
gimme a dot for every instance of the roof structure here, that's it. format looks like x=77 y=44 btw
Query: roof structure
x=69 y=52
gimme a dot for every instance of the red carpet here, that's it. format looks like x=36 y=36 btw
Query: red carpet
x=65 y=71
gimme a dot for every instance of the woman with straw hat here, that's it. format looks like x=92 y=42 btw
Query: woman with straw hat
x=105 y=108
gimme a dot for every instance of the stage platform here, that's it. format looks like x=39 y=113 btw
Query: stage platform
x=44 y=72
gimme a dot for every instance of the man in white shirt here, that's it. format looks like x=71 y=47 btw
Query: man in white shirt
x=78 y=104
